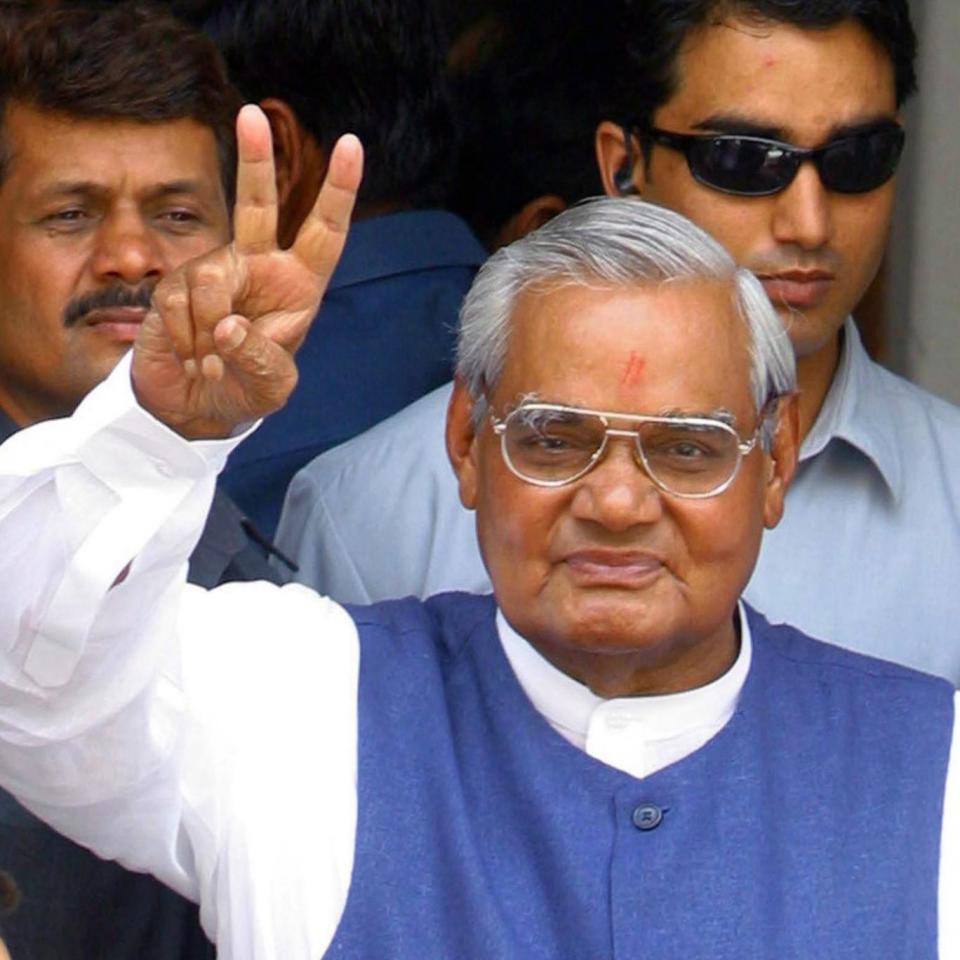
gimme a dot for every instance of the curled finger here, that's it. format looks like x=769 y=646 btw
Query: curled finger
x=211 y=299
x=265 y=370
x=171 y=302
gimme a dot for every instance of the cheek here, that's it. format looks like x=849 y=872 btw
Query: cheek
x=722 y=537
x=515 y=526
x=740 y=224
x=862 y=232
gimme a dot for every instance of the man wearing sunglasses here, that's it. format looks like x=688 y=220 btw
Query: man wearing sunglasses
x=612 y=756
x=776 y=126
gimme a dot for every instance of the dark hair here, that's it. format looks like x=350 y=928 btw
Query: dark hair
x=129 y=61
x=526 y=89
x=372 y=67
x=655 y=30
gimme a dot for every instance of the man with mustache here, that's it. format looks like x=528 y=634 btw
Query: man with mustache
x=117 y=166
x=776 y=126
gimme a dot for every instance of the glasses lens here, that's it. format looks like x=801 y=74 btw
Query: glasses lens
x=741 y=165
x=861 y=163
x=689 y=459
x=551 y=445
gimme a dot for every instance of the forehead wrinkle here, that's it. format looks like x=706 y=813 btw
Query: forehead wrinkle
x=94 y=188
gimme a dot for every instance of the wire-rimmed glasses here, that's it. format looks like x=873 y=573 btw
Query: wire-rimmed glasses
x=550 y=445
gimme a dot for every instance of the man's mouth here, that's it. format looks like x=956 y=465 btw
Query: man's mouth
x=801 y=289
x=116 y=323
x=608 y=567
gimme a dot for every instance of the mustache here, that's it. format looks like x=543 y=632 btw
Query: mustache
x=118 y=295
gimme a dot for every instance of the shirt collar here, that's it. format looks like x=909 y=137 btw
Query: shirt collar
x=404 y=242
x=569 y=705
x=858 y=411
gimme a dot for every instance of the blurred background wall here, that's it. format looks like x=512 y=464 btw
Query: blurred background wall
x=921 y=293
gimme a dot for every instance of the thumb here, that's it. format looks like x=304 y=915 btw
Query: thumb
x=266 y=369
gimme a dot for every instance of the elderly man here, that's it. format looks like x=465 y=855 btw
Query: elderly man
x=722 y=104
x=612 y=755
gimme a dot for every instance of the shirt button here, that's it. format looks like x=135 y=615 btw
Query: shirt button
x=647 y=816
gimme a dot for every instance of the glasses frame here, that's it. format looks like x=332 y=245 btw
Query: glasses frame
x=685 y=142
x=744 y=447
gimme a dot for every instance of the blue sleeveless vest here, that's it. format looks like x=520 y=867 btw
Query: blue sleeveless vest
x=807 y=829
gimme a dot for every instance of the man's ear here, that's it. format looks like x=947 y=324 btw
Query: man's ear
x=462 y=443
x=300 y=165
x=782 y=458
x=287 y=145
x=619 y=160
x=533 y=214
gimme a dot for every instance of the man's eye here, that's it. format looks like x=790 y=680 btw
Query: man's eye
x=686 y=450
x=66 y=216
x=546 y=442
x=180 y=216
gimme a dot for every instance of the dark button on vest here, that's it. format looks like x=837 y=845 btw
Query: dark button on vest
x=647 y=816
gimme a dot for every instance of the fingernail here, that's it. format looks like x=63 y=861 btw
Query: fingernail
x=190 y=368
x=232 y=333
x=212 y=367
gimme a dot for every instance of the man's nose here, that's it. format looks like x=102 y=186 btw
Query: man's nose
x=802 y=213
x=127 y=249
x=617 y=493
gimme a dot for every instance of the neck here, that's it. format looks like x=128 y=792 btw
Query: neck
x=650 y=671
x=815 y=373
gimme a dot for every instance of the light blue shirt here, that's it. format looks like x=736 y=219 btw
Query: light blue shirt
x=867 y=555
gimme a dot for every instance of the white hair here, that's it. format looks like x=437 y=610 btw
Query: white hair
x=618 y=242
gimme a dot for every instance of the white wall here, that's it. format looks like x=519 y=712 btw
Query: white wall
x=924 y=315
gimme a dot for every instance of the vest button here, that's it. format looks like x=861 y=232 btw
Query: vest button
x=647 y=816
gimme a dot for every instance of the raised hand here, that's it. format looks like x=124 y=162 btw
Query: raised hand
x=216 y=349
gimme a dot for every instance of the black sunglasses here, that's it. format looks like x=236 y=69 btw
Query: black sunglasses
x=757 y=167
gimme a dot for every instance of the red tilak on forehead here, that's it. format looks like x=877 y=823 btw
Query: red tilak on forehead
x=633 y=370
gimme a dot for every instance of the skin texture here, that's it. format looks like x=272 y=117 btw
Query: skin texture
x=802 y=86
x=625 y=588
x=88 y=205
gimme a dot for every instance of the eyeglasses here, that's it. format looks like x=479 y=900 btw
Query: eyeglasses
x=550 y=445
x=757 y=167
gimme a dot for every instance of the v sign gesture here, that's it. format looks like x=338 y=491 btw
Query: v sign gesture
x=216 y=349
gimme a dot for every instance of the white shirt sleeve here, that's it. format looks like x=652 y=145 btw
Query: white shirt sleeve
x=208 y=737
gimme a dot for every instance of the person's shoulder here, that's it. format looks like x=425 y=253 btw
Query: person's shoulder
x=448 y=618
x=914 y=406
x=414 y=435
x=821 y=658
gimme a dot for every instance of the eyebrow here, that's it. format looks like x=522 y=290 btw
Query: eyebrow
x=734 y=124
x=66 y=188
x=721 y=413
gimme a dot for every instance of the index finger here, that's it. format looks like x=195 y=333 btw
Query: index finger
x=320 y=239
x=255 y=209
